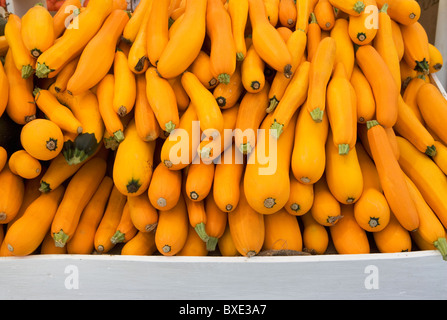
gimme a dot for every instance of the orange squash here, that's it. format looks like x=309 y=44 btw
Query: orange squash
x=132 y=166
x=342 y=110
x=344 y=52
x=432 y=105
x=125 y=229
x=74 y=39
x=267 y=41
x=409 y=127
x=366 y=104
x=20 y=105
x=184 y=46
x=42 y=139
x=210 y=149
x=62 y=78
x=37 y=30
x=410 y=95
x=180 y=148
x=22 y=58
x=23 y=164
x=194 y=246
x=351 y=7
x=347 y=235
x=252 y=111
x=78 y=193
x=205 y=105
x=226 y=244
x=227 y=178
x=282 y=232
x=199 y=180
x=287 y=13
x=157 y=30
x=417 y=52
x=361 y=30
x=201 y=67
x=296 y=43
x=266 y=180
x=385 y=91
x=110 y=220
x=309 y=148
x=238 y=10
x=82 y=241
x=252 y=71
x=143 y=244
x=165 y=187
x=228 y=95
x=34 y=223
x=216 y=221
x=125 y=85
x=385 y=45
x=394 y=238
x=430 y=228
x=162 y=100
x=326 y=208
x=247 y=227
x=12 y=189
x=313 y=36
x=136 y=20
x=319 y=75
x=324 y=14
x=343 y=174
x=392 y=177
x=426 y=175
x=404 y=12
x=315 y=235
x=92 y=66
x=294 y=96
x=65 y=14
x=138 y=60
x=146 y=123
x=56 y=112
x=142 y=214
x=197 y=216
x=172 y=230
x=301 y=197
x=222 y=45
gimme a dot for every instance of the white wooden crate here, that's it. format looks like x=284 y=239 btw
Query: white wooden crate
x=403 y=276
x=412 y=276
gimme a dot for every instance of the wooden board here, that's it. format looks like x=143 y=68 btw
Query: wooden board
x=416 y=275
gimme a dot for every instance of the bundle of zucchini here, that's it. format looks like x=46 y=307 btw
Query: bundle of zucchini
x=193 y=127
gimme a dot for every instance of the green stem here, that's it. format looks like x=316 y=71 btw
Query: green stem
x=44 y=187
x=384 y=8
x=200 y=229
x=211 y=244
x=169 y=127
x=276 y=129
x=42 y=70
x=223 y=78
x=343 y=149
x=431 y=151
x=245 y=148
x=118 y=237
x=27 y=71
x=441 y=245
x=272 y=106
x=239 y=56
x=119 y=136
x=359 y=6
x=371 y=123
x=317 y=115
x=422 y=66
x=60 y=239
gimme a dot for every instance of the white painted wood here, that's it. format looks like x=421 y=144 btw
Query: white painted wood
x=441 y=39
x=416 y=275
